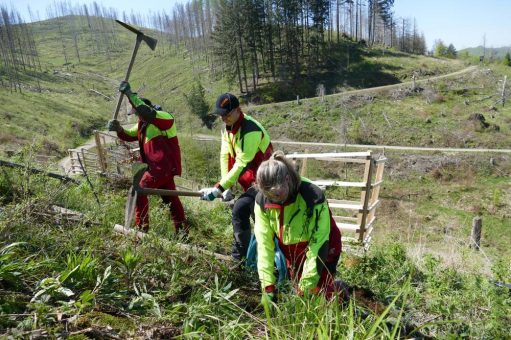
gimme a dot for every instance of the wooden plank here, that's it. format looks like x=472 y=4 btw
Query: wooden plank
x=100 y=153
x=334 y=183
x=347 y=155
x=303 y=168
x=349 y=205
x=348 y=227
x=377 y=184
x=343 y=160
x=373 y=206
x=182 y=246
x=371 y=221
x=82 y=151
x=344 y=218
x=368 y=233
x=376 y=192
x=365 y=196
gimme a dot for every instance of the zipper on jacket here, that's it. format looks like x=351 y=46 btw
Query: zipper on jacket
x=281 y=227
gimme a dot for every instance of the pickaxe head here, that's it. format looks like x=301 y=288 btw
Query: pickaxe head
x=151 y=42
x=138 y=170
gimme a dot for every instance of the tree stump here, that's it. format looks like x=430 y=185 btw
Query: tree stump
x=475 y=235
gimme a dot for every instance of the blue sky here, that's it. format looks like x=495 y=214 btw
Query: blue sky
x=464 y=23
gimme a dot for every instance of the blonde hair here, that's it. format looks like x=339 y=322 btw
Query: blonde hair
x=272 y=173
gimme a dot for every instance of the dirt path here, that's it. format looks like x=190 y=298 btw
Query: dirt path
x=65 y=163
x=364 y=146
x=384 y=88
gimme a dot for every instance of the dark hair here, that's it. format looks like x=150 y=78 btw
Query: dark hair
x=146 y=101
x=154 y=106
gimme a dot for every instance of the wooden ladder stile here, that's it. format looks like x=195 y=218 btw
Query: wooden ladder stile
x=362 y=223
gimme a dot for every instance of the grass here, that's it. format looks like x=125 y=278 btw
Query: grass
x=82 y=277
x=438 y=116
x=418 y=279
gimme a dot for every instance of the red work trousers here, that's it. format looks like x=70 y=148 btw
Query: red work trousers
x=142 y=208
x=327 y=260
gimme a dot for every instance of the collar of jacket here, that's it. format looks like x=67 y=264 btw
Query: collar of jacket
x=271 y=205
x=236 y=126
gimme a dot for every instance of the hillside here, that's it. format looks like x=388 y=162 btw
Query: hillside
x=490 y=52
x=69 y=100
x=60 y=94
x=72 y=276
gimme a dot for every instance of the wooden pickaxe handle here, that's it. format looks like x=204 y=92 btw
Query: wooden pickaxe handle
x=151 y=42
x=127 y=77
x=164 y=192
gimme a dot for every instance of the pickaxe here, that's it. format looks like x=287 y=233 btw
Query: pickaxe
x=151 y=42
x=138 y=170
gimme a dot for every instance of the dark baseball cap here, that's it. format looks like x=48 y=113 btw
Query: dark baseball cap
x=226 y=103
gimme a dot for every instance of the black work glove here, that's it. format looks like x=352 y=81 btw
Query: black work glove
x=125 y=88
x=114 y=125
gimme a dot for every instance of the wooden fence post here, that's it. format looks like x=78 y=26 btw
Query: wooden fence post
x=475 y=235
x=101 y=153
x=503 y=94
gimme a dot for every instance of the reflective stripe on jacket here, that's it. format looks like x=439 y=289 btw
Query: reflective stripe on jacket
x=305 y=221
x=159 y=146
x=245 y=146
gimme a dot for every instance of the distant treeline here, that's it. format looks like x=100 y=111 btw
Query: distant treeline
x=243 y=40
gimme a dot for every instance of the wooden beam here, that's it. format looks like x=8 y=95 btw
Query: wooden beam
x=332 y=155
x=342 y=204
x=182 y=246
x=327 y=182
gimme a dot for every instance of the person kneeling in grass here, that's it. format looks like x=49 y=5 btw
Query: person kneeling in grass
x=295 y=211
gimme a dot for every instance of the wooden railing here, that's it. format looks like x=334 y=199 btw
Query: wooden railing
x=108 y=156
x=355 y=218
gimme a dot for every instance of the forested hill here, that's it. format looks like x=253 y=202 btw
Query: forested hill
x=61 y=74
x=488 y=52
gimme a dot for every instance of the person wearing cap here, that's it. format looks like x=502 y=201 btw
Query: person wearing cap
x=296 y=212
x=245 y=144
x=159 y=149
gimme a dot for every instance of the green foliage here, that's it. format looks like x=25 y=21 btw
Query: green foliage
x=144 y=302
x=385 y=270
x=200 y=162
x=506 y=61
x=198 y=105
x=83 y=268
x=10 y=267
x=440 y=49
x=129 y=263
x=451 y=52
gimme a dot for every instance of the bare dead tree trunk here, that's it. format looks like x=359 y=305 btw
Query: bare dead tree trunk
x=62 y=40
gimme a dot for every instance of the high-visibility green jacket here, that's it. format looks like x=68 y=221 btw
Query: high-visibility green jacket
x=159 y=146
x=303 y=223
x=245 y=145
